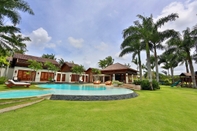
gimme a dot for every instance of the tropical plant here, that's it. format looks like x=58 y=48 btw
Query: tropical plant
x=106 y=62
x=9 y=10
x=17 y=42
x=185 y=43
x=143 y=32
x=170 y=61
x=61 y=61
x=159 y=36
x=34 y=65
x=78 y=69
x=49 y=56
x=130 y=45
x=96 y=72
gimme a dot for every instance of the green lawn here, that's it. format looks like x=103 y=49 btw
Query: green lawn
x=167 y=109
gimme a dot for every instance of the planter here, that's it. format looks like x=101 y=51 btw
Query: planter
x=137 y=87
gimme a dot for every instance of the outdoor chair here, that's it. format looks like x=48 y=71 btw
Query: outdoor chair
x=97 y=82
x=11 y=83
x=108 y=83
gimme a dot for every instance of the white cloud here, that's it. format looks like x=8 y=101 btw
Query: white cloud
x=102 y=46
x=186 y=12
x=77 y=43
x=39 y=39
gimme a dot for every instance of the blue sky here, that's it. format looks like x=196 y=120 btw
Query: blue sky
x=86 y=31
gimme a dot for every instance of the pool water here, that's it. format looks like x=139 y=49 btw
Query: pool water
x=66 y=89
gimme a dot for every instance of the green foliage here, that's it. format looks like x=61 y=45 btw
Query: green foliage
x=51 y=66
x=96 y=71
x=3 y=61
x=33 y=64
x=145 y=85
x=137 y=82
x=106 y=62
x=78 y=69
x=116 y=82
x=49 y=56
x=3 y=80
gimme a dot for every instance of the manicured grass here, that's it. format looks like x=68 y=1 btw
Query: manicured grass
x=3 y=87
x=167 y=109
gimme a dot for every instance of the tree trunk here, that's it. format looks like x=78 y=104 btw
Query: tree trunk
x=140 y=66
x=148 y=65
x=156 y=64
x=191 y=70
x=172 y=74
x=186 y=66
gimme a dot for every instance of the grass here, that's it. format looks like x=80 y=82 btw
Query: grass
x=167 y=109
x=3 y=87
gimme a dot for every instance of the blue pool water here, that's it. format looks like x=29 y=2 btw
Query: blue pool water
x=66 y=89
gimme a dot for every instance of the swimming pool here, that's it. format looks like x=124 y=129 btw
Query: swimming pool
x=73 y=92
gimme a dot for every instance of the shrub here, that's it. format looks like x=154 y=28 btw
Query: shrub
x=116 y=82
x=145 y=85
x=3 y=80
x=137 y=82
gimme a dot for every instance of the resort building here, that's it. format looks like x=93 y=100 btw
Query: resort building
x=19 y=67
x=115 y=71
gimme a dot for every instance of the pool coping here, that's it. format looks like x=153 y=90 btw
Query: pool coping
x=93 y=97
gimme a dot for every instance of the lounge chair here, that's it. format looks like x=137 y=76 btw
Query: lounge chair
x=108 y=83
x=11 y=83
x=97 y=82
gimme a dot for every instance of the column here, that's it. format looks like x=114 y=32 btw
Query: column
x=113 y=77
x=127 y=79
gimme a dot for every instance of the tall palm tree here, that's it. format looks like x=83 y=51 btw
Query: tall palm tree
x=17 y=42
x=9 y=9
x=159 y=36
x=170 y=61
x=133 y=46
x=142 y=31
x=186 y=43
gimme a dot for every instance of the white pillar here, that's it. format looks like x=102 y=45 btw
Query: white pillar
x=113 y=77
x=132 y=78
x=103 y=78
x=127 y=79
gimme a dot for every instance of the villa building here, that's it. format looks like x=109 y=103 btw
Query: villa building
x=19 y=68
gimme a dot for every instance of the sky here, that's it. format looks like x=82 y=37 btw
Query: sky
x=86 y=31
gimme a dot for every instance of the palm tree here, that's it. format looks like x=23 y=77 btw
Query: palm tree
x=159 y=36
x=61 y=61
x=142 y=31
x=186 y=43
x=49 y=56
x=102 y=64
x=9 y=9
x=130 y=45
x=152 y=62
x=17 y=42
x=109 y=60
x=170 y=61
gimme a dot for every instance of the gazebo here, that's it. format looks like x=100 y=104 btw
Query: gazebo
x=186 y=77
x=120 y=72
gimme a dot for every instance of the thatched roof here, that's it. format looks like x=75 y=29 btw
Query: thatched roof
x=117 y=66
x=38 y=59
x=185 y=74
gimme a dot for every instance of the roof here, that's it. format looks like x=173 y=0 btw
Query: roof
x=39 y=59
x=70 y=64
x=117 y=66
x=92 y=68
x=185 y=74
